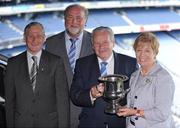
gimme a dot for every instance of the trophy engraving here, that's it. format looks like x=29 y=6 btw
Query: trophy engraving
x=113 y=91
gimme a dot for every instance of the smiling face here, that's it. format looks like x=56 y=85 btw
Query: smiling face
x=146 y=48
x=102 y=44
x=145 y=55
x=75 y=20
x=34 y=38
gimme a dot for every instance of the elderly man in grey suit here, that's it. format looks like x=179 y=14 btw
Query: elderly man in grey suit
x=72 y=44
x=35 y=86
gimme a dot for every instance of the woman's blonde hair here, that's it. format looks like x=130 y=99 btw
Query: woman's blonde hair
x=148 y=37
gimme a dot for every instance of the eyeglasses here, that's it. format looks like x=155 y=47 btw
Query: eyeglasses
x=77 y=18
x=102 y=44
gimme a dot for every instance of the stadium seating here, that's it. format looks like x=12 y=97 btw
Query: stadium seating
x=152 y=15
x=105 y=18
x=7 y=34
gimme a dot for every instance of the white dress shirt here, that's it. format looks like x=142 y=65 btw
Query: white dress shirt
x=110 y=64
x=109 y=67
x=30 y=60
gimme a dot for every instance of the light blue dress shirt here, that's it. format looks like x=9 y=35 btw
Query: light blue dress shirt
x=78 y=44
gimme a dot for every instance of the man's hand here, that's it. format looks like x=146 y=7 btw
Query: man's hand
x=97 y=90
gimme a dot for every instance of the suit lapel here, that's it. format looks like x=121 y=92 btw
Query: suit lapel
x=63 y=52
x=62 y=46
x=134 y=79
x=95 y=71
x=83 y=47
x=86 y=45
x=24 y=71
x=43 y=65
x=96 y=67
x=117 y=68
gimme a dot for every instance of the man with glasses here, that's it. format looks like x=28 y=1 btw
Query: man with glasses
x=72 y=43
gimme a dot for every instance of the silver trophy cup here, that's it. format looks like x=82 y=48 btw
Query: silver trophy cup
x=113 y=91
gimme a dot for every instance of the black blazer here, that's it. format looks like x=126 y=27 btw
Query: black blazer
x=48 y=106
x=86 y=75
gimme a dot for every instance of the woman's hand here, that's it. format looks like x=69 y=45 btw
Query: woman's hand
x=124 y=111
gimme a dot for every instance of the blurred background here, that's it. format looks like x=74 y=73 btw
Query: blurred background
x=127 y=18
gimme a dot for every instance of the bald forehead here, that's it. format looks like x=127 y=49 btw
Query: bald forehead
x=76 y=10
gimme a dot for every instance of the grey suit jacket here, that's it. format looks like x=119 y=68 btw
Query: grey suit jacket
x=154 y=94
x=48 y=106
x=56 y=45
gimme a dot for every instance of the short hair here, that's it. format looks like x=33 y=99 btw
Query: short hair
x=85 y=10
x=33 y=24
x=103 y=28
x=147 y=37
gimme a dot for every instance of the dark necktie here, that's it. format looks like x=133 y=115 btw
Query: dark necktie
x=33 y=73
x=72 y=53
x=103 y=69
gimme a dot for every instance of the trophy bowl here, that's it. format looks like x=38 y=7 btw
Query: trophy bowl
x=113 y=91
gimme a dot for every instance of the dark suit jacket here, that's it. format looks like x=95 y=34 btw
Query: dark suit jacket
x=57 y=45
x=48 y=106
x=86 y=75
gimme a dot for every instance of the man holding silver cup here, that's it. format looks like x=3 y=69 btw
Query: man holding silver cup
x=87 y=92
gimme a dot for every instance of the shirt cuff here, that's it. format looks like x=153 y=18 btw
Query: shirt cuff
x=92 y=99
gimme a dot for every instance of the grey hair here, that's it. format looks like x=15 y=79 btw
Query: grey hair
x=33 y=24
x=103 y=28
x=85 y=10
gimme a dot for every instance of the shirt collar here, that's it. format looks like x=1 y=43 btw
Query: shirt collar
x=38 y=55
x=108 y=60
x=68 y=37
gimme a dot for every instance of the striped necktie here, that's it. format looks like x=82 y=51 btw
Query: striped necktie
x=103 y=69
x=33 y=73
x=72 y=53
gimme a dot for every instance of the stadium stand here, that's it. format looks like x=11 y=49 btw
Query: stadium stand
x=7 y=33
x=52 y=23
x=106 y=17
x=152 y=15
x=175 y=34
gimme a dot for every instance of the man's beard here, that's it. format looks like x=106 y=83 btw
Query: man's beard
x=74 y=31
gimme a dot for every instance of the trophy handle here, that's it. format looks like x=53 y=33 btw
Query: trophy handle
x=127 y=90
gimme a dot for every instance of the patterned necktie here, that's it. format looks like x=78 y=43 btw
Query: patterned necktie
x=33 y=73
x=103 y=69
x=72 y=53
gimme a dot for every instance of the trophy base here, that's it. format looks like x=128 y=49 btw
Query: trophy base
x=111 y=109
